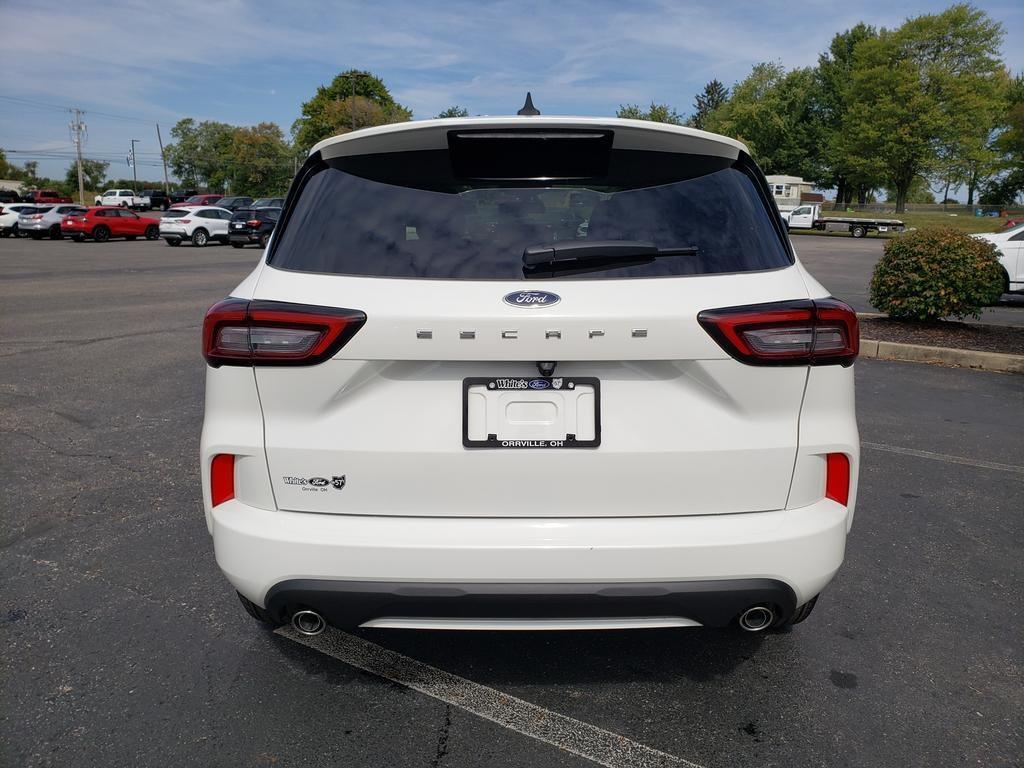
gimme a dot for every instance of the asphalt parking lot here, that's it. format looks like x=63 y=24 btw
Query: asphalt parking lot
x=124 y=646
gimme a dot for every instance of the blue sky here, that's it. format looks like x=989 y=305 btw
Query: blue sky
x=245 y=62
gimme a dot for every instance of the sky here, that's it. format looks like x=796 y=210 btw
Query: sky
x=130 y=65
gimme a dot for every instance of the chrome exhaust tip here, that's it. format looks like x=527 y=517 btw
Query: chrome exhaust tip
x=308 y=622
x=757 y=618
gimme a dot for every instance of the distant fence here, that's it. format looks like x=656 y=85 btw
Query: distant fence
x=960 y=210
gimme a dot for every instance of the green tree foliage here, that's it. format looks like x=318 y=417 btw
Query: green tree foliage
x=658 y=113
x=260 y=161
x=777 y=114
x=919 y=192
x=200 y=152
x=455 y=111
x=93 y=173
x=934 y=273
x=334 y=107
x=835 y=68
x=714 y=96
x=254 y=160
x=1008 y=145
x=913 y=91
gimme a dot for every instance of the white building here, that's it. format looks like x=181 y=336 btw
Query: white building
x=13 y=186
x=788 y=190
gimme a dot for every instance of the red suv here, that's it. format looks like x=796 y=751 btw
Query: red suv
x=199 y=200
x=104 y=222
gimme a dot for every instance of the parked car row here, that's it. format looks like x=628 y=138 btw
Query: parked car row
x=197 y=224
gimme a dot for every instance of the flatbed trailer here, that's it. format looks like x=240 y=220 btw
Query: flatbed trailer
x=808 y=216
x=857 y=227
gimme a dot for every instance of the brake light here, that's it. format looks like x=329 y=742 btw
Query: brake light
x=252 y=223
x=837 y=477
x=240 y=332
x=802 y=332
x=183 y=221
x=222 y=478
x=36 y=216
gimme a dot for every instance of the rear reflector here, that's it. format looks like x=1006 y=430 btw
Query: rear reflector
x=240 y=332
x=802 y=332
x=222 y=478
x=837 y=478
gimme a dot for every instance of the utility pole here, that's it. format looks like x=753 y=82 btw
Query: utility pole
x=78 y=129
x=135 y=174
x=163 y=157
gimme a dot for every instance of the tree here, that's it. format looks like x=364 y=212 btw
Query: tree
x=1008 y=144
x=31 y=169
x=200 y=153
x=710 y=99
x=455 y=111
x=658 y=113
x=833 y=78
x=777 y=115
x=913 y=91
x=325 y=114
x=919 y=192
x=94 y=172
x=260 y=161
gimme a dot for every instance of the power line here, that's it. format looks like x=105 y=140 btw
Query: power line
x=92 y=112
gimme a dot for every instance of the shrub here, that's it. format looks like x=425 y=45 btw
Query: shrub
x=933 y=273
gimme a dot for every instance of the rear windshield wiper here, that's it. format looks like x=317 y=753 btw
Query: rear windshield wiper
x=593 y=256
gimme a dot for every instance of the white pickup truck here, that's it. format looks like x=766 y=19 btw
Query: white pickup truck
x=125 y=198
x=809 y=216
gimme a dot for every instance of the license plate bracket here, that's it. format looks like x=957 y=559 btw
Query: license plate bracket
x=520 y=412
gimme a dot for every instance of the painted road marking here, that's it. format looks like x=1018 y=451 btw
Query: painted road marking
x=945 y=457
x=561 y=731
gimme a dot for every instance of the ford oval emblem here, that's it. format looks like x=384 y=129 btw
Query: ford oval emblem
x=531 y=299
x=539 y=384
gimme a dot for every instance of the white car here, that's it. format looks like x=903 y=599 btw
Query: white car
x=125 y=198
x=44 y=220
x=198 y=224
x=433 y=404
x=9 y=213
x=1010 y=243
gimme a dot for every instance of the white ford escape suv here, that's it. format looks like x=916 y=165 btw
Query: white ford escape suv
x=529 y=373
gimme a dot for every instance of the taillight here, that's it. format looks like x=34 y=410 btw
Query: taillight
x=222 y=478
x=239 y=332
x=802 y=332
x=183 y=221
x=252 y=223
x=36 y=216
x=837 y=477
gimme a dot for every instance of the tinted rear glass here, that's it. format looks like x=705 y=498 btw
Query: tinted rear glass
x=420 y=215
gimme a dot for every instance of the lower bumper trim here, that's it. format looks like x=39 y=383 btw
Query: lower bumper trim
x=349 y=604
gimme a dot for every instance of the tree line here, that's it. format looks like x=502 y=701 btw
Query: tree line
x=927 y=106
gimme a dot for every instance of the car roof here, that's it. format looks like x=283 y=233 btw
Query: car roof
x=433 y=134
x=206 y=208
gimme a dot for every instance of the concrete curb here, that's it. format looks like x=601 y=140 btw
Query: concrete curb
x=964 y=358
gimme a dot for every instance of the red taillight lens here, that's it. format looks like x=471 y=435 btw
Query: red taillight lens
x=183 y=221
x=803 y=332
x=837 y=477
x=222 y=478
x=252 y=223
x=239 y=332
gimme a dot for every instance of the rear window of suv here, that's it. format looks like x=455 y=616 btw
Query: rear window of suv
x=443 y=215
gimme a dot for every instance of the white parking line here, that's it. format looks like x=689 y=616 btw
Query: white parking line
x=566 y=733
x=945 y=457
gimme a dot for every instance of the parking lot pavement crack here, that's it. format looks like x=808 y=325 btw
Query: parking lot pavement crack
x=442 y=739
x=561 y=731
x=944 y=457
x=40 y=345
x=68 y=454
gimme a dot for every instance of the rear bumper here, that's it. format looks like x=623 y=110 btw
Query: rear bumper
x=244 y=237
x=281 y=559
x=351 y=604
